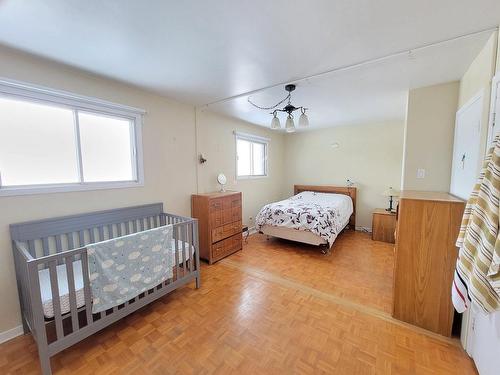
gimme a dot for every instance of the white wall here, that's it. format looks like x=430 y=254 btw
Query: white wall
x=477 y=79
x=369 y=154
x=430 y=125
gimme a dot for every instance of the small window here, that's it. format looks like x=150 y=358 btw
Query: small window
x=251 y=156
x=52 y=141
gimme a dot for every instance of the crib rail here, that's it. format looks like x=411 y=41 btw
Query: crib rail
x=60 y=245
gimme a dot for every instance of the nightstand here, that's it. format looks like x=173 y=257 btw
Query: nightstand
x=383 y=225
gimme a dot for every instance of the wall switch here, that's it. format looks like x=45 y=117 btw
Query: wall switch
x=420 y=173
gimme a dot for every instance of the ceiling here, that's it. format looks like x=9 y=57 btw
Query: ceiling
x=204 y=51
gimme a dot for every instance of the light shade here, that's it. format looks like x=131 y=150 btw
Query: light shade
x=303 y=120
x=290 y=126
x=275 y=123
x=390 y=192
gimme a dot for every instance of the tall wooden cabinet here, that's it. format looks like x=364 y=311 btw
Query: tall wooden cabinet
x=426 y=231
x=219 y=223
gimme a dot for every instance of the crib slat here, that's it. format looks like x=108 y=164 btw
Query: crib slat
x=59 y=248
x=176 y=250
x=190 y=246
x=134 y=226
x=72 y=294
x=196 y=254
x=31 y=248
x=92 y=235
x=56 y=301
x=101 y=233
x=110 y=231
x=86 y=287
x=45 y=246
x=119 y=229
x=183 y=229
x=81 y=238
x=58 y=243
x=71 y=242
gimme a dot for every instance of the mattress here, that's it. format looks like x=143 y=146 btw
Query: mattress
x=323 y=214
x=62 y=281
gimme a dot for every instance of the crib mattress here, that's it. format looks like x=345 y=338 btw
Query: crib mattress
x=62 y=281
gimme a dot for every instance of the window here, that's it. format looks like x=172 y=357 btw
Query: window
x=251 y=155
x=53 y=141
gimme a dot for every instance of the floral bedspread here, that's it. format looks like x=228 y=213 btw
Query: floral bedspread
x=322 y=214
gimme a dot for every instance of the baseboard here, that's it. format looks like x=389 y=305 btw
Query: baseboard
x=11 y=333
x=364 y=229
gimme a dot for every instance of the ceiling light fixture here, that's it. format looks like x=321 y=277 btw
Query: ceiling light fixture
x=289 y=109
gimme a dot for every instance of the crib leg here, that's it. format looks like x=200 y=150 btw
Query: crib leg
x=44 y=360
x=198 y=282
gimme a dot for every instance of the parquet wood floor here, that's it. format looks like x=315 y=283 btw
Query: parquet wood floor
x=357 y=269
x=248 y=320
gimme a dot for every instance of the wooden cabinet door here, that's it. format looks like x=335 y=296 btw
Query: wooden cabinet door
x=424 y=264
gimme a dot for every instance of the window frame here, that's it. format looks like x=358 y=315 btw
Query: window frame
x=78 y=103
x=253 y=139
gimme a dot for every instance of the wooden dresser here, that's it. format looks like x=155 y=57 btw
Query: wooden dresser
x=426 y=231
x=219 y=223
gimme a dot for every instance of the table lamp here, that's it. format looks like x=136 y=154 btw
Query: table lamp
x=390 y=193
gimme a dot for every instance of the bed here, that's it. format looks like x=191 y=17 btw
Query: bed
x=315 y=215
x=52 y=270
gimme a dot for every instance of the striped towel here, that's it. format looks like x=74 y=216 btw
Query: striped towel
x=477 y=276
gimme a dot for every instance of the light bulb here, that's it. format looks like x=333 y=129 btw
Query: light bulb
x=303 y=120
x=275 y=122
x=290 y=126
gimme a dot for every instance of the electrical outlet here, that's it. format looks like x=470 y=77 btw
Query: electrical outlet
x=420 y=173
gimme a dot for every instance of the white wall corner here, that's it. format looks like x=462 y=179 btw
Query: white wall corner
x=11 y=333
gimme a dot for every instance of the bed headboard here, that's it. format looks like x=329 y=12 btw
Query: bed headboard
x=350 y=191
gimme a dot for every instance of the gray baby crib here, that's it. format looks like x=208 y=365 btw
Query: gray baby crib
x=44 y=250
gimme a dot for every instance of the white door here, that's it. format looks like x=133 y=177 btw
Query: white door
x=493 y=128
x=466 y=148
x=486 y=343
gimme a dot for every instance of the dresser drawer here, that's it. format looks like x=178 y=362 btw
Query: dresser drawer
x=216 y=205
x=226 y=247
x=226 y=231
x=230 y=215
x=231 y=202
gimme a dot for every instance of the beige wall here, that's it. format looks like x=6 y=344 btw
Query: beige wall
x=216 y=142
x=169 y=161
x=477 y=79
x=370 y=155
x=430 y=125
